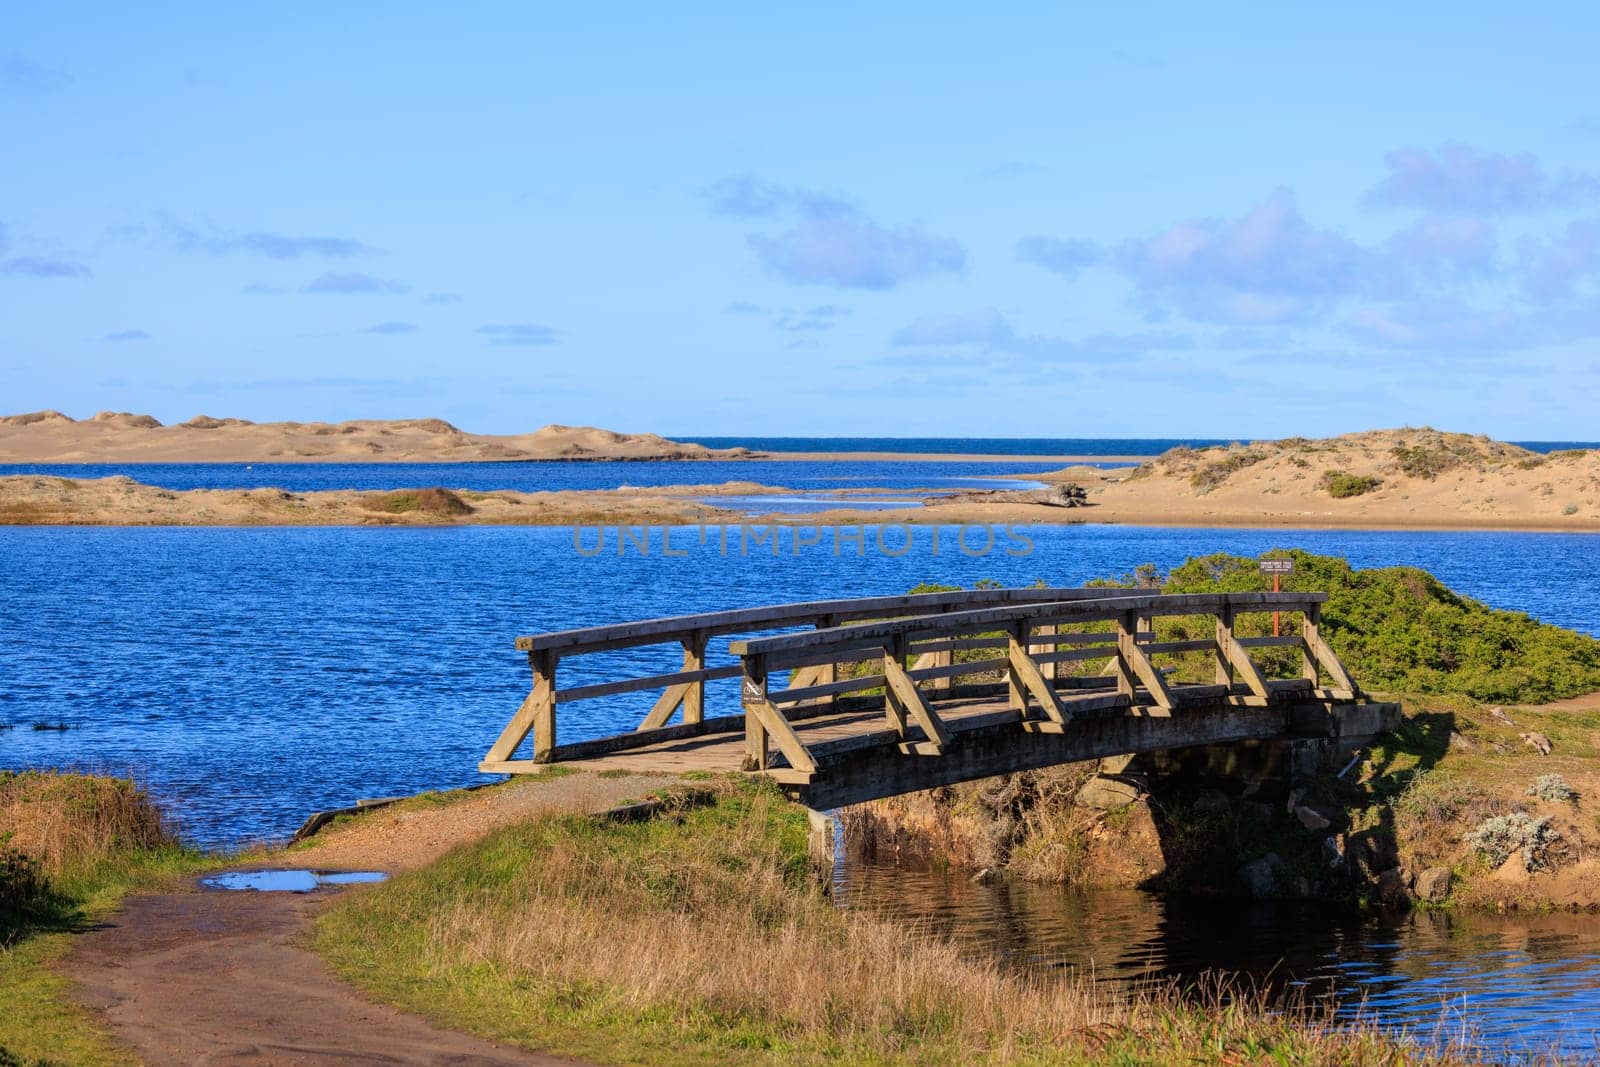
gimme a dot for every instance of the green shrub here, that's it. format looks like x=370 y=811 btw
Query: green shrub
x=1552 y=787
x=1400 y=629
x=1341 y=484
x=1430 y=461
x=1499 y=836
x=441 y=502
x=1214 y=474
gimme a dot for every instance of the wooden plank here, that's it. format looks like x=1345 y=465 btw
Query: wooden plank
x=1157 y=648
x=811 y=692
x=1026 y=673
x=665 y=705
x=1130 y=651
x=1317 y=648
x=904 y=692
x=753 y=691
x=1110 y=608
x=1241 y=662
x=779 y=616
x=634 y=685
x=1224 y=666
x=782 y=734
x=1283 y=641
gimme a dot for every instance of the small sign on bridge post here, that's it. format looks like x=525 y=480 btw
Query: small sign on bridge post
x=1277 y=568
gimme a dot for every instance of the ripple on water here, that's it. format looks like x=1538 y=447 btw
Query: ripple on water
x=1514 y=982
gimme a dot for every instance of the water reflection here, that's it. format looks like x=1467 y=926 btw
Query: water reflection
x=1525 y=982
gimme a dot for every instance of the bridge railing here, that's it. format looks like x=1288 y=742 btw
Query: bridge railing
x=684 y=690
x=1037 y=640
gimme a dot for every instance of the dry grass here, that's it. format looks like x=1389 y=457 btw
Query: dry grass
x=440 y=502
x=69 y=824
x=701 y=938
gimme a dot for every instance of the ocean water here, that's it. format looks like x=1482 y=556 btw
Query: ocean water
x=254 y=675
x=547 y=475
x=1009 y=446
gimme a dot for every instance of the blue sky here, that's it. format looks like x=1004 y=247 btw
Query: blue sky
x=920 y=220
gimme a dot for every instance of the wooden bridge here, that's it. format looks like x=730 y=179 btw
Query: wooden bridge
x=849 y=700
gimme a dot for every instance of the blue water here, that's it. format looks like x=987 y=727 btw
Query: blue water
x=253 y=675
x=1514 y=984
x=965 y=446
x=548 y=475
x=1007 y=446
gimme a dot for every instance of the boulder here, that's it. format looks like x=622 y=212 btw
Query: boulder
x=1433 y=884
x=1311 y=818
x=1459 y=743
x=1108 y=794
x=1534 y=739
x=1260 y=876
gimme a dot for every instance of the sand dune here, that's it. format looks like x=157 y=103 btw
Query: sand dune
x=47 y=500
x=1390 y=478
x=121 y=437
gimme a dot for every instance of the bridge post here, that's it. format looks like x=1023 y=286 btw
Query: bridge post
x=753 y=690
x=1310 y=627
x=828 y=673
x=1016 y=685
x=1048 y=668
x=694 y=659
x=544 y=704
x=1224 y=672
x=1127 y=627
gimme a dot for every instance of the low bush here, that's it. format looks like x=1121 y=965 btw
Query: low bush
x=1498 y=837
x=440 y=502
x=1402 y=630
x=1552 y=787
x=1341 y=484
x=1213 y=474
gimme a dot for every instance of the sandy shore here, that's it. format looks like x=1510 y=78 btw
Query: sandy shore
x=43 y=500
x=1381 y=480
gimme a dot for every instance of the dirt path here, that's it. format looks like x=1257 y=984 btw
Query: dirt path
x=215 y=977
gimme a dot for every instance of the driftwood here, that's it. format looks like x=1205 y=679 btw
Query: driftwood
x=1070 y=495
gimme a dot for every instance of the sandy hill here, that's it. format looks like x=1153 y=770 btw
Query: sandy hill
x=1405 y=477
x=121 y=437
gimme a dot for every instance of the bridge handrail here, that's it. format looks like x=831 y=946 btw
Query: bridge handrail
x=780 y=616
x=685 y=689
x=1098 y=609
x=1034 y=697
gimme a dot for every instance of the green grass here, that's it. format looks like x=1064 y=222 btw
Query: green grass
x=71 y=847
x=700 y=937
x=39 y=1020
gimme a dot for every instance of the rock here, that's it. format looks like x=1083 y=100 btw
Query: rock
x=1458 y=743
x=1500 y=713
x=1534 y=739
x=1108 y=794
x=1433 y=884
x=1260 y=877
x=986 y=876
x=1312 y=819
x=1295 y=796
x=1392 y=886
